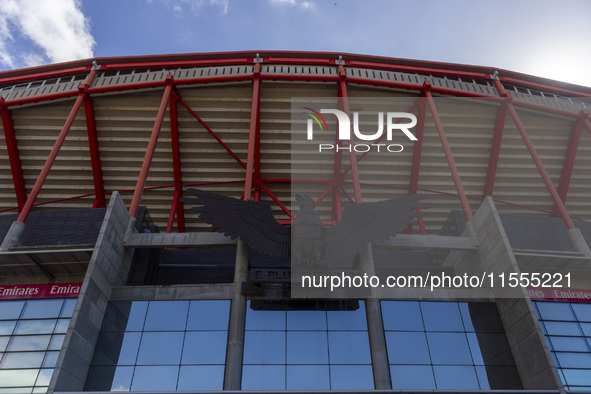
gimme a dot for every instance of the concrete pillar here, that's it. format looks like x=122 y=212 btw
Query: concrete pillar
x=13 y=236
x=529 y=347
x=109 y=266
x=578 y=241
x=235 y=349
x=375 y=328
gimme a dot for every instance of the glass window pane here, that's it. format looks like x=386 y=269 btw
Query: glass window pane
x=160 y=348
x=562 y=328
x=35 y=327
x=18 y=390
x=586 y=327
x=442 y=316
x=209 y=315
x=50 y=359
x=33 y=342
x=3 y=343
x=44 y=377
x=68 y=308
x=56 y=342
x=6 y=327
x=349 y=347
x=481 y=317
x=449 y=348
x=122 y=379
x=264 y=347
x=137 y=316
x=10 y=310
x=166 y=316
x=407 y=348
x=574 y=360
x=201 y=377
x=62 y=326
x=412 y=377
x=306 y=320
x=307 y=347
x=498 y=378
x=569 y=344
x=42 y=309
x=308 y=377
x=263 y=377
x=19 y=377
x=555 y=311
x=455 y=377
x=402 y=316
x=582 y=311
x=351 y=377
x=207 y=347
x=348 y=320
x=490 y=349
x=578 y=377
x=161 y=378
x=22 y=360
x=129 y=348
x=264 y=320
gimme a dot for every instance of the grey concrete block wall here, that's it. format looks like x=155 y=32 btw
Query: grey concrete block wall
x=529 y=347
x=108 y=267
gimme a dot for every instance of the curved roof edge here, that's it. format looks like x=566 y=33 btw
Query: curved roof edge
x=324 y=58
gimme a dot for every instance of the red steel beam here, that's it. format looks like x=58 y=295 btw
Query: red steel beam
x=56 y=148
x=143 y=176
x=344 y=106
x=274 y=198
x=95 y=157
x=176 y=162
x=448 y=155
x=561 y=210
x=252 y=132
x=569 y=160
x=210 y=131
x=173 y=210
x=13 y=156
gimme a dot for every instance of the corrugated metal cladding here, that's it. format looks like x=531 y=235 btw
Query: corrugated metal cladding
x=124 y=121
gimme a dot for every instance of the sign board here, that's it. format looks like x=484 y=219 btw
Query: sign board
x=46 y=290
x=559 y=294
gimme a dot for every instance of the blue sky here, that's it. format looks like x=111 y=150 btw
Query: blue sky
x=539 y=37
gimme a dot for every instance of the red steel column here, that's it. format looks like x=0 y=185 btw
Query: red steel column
x=416 y=159
x=176 y=165
x=252 y=132
x=561 y=210
x=95 y=158
x=569 y=160
x=141 y=182
x=448 y=155
x=56 y=148
x=344 y=106
x=13 y=156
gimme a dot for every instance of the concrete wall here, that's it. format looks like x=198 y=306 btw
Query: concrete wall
x=109 y=266
x=526 y=339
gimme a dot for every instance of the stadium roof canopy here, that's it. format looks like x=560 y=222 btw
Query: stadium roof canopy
x=150 y=127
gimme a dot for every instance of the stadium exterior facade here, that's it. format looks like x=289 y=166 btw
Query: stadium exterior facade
x=108 y=282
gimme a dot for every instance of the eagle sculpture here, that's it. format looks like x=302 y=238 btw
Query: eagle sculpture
x=307 y=241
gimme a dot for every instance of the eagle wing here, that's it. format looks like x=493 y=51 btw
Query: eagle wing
x=370 y=222
x=252 y=221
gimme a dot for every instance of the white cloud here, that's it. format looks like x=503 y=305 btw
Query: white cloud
x=57 y=27
x=306 y=5
x=194 y=5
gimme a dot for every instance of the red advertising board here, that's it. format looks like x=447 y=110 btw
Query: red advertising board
x=46 y=290
x=559 y=294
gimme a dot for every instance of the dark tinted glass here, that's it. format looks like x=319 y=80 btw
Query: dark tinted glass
x=412 y=377
x=348 y=320
x=208 y=315
x=160 y=348
x=263 y=377
x=201 y=377
x=351 y=377
x=455 y=377
x=442 y=316
x=407 y=348
x=402 y=316
x=166 y=316
x=41 y=309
